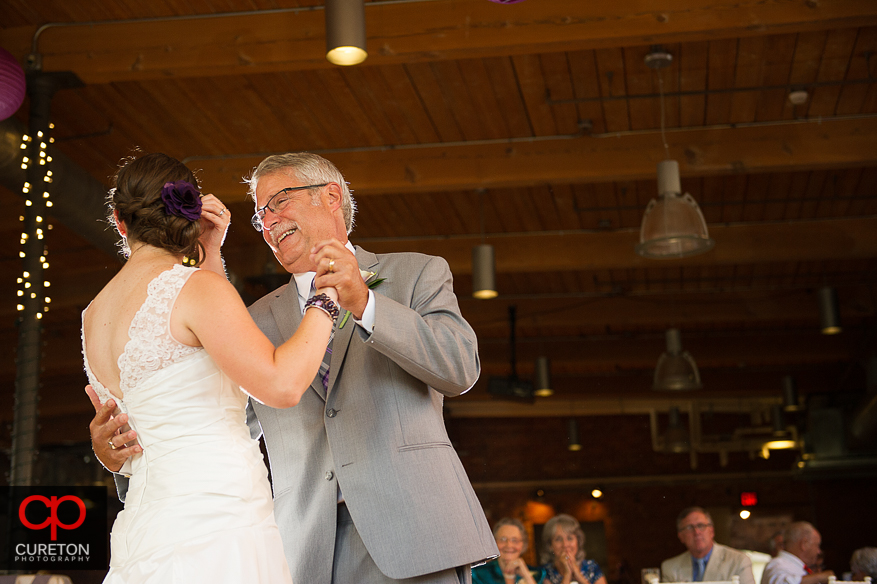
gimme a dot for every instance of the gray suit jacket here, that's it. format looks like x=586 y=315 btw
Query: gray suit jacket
x=378 y=432
x=724 y=563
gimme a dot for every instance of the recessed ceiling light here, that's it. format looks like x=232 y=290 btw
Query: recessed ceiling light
x=798 y=96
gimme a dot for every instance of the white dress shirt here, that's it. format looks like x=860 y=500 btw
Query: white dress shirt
x=786 y=568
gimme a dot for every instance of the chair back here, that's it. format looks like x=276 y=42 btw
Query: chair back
x=833 y=580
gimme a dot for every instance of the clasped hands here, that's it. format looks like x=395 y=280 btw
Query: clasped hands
x=571 y=572
x=336 y=267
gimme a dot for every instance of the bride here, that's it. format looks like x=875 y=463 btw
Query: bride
x=174 y=346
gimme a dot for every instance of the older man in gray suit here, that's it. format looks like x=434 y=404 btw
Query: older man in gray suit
x=705 y=560
x=367 y=486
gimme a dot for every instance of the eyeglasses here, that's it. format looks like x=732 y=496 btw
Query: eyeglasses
x=696 y=526
x=511 y=540
x=279 y=200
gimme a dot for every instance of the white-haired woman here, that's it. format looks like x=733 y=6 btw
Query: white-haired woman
x=509 y=567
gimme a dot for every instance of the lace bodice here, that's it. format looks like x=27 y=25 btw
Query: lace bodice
x=150 y=347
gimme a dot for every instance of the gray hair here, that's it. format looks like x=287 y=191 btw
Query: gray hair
x=688 y=511
x=515 y=523
x=310 y=168
x=797 y=532
x=864 y=560
x=567 y=523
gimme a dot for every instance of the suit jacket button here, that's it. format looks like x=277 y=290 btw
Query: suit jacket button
x=331 y=413
x=330 y=475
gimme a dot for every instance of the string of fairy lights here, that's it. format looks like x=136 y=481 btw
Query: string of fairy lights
x=29 y=283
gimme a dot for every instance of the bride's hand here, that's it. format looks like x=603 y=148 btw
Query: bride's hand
x=215 y=219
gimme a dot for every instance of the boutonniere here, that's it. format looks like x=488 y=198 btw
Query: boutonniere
x=372 y=282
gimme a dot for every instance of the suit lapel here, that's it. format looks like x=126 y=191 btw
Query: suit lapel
x=716 y=559
x=287 y=314
x=367 y=261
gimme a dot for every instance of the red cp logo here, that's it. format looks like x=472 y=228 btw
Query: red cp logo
x=52 y=505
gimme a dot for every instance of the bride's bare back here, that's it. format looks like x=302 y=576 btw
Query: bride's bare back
x=107 y=320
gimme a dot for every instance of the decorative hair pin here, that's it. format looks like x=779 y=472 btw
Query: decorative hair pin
x=182 y=199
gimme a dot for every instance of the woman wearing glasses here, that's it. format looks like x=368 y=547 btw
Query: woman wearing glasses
x=173 y=346
x=564 y=553
x=509 y=567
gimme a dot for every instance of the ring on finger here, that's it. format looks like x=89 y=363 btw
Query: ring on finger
x=110 y=442
x=332 y=265
x=221 y=212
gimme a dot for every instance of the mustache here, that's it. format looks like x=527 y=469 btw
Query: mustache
x=277 y=231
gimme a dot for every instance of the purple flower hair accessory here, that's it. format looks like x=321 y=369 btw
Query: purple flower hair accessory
x=182 y=199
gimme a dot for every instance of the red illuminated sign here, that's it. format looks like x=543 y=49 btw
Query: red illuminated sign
x=748 y=499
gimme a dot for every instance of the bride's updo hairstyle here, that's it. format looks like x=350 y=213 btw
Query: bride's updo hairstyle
x=137 y=197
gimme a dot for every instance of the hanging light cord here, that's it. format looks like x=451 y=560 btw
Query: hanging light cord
x=481 y=213
x=663 y=133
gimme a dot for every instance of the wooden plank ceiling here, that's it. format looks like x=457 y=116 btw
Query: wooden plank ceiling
x=534 y=127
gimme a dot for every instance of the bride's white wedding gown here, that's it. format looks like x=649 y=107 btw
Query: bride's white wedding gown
x=199 y=506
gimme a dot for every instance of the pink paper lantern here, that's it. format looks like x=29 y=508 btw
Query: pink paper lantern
x=12 y=86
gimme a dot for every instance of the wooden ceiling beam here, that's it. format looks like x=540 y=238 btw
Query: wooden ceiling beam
x=751 y=243
x=213 y=45
x=741 y=349
x=618 y=157
x=619 y=313
x=592 y=355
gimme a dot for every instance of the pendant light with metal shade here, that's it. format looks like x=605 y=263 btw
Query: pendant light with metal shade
x=483 y=272
x=676 y=369
x=790 y=395
x=829 y=311
x=575 y=442
x=542 y=387
x=483 y=262
x=673 y=225
x=676 y=438
x=345 y=32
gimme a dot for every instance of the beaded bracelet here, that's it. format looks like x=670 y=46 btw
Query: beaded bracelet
x=324 y=303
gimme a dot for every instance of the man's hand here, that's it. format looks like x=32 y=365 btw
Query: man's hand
x=337 y=267
x=109 y=426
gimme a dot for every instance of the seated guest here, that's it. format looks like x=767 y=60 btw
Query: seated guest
x=776 y=543
x=509 y=567
x=563 y=555
x=705 y=559
x=864 y=563
x=801 y=541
